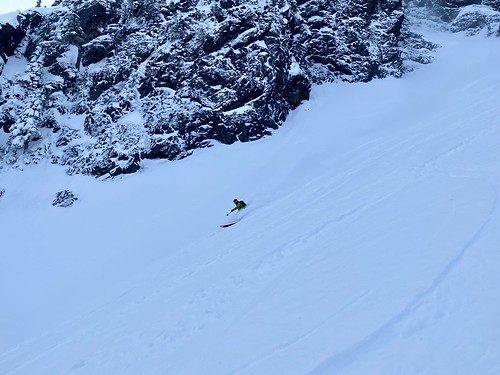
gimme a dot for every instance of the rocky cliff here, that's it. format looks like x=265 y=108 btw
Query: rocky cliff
x=99 y=85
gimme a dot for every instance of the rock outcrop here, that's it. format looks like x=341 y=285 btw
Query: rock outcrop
x=108 y=83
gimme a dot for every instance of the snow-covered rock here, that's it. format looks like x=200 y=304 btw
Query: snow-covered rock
x=471 y=16
x=475 y=18
x=99 y=85
x=64 y=198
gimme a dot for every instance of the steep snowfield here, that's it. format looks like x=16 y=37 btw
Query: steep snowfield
x=370 y=244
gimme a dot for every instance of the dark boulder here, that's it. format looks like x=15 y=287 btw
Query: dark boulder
x=10 y=37
x=95 y=51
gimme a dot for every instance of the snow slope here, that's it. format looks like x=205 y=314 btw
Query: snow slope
x=369 y=246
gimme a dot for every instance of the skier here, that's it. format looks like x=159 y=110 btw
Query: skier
x=239 y=205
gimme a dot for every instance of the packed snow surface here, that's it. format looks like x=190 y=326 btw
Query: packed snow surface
x=370 y=243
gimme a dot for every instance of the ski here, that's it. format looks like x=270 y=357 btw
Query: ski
x=226 y=225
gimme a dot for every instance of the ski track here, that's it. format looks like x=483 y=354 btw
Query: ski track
x=223 y=286
x=337 y=363
x=285 y=250
x=203 y=301
x=284 y=346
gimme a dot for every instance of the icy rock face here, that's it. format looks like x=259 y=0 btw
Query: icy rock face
x=108 y=83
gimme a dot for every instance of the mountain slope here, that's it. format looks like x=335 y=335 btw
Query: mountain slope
x=369 y=245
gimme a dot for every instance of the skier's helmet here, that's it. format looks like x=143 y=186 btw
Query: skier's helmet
x=235 y=201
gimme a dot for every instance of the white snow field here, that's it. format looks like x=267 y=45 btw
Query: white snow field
x=370 y=244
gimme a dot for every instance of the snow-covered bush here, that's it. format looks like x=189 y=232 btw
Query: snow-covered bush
x=64 y=198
